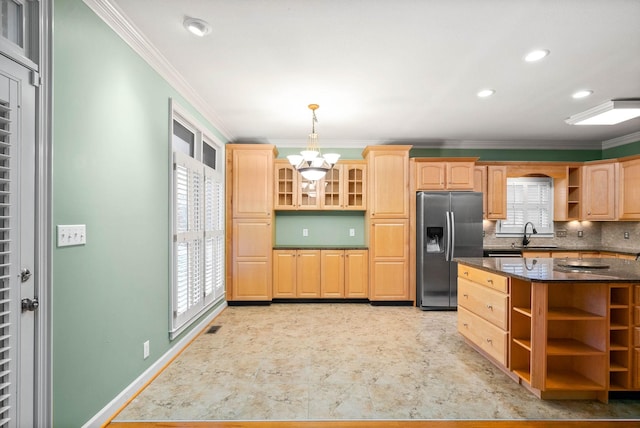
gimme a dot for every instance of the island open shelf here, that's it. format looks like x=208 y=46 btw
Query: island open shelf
x=571 y=335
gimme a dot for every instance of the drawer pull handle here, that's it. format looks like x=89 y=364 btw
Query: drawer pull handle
x=466 y=273
x=489 y=341
x=490 y=281
x=490 y=307
x=465 y=324
x=466 y=296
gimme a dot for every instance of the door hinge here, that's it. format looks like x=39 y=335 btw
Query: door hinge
x=36 y=80
x=30 y=305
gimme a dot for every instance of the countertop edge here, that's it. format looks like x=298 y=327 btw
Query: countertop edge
x=319 y=247
x=585 y=249
x=631 y=272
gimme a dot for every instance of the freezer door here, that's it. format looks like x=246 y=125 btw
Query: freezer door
x=432 y=245
x=466 y=209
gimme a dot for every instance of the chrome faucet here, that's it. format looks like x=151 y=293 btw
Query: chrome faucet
x=525 y=238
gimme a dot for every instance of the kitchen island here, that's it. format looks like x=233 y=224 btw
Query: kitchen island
x=563 y=328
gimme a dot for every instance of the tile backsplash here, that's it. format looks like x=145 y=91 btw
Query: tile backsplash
x=613 y=234
x=594 y=234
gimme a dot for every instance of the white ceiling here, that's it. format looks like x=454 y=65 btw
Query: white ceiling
x=402 y=70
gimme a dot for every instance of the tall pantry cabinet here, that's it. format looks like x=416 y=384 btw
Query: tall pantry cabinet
x=387 y=219
x=249 y=221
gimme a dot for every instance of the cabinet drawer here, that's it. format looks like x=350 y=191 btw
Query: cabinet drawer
x=483 y=277
x=483 y=301
x=487 y=336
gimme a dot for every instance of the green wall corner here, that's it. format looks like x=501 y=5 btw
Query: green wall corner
x=110 y=172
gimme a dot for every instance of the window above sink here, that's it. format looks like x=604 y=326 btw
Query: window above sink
x=529 y=199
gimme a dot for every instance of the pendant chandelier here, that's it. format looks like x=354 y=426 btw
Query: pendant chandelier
x=310 y=163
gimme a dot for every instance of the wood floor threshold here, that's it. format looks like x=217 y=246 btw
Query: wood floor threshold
x=384 y=424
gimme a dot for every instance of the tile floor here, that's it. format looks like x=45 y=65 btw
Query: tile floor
x=343 y=361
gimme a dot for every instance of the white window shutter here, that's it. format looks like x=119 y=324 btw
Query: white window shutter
x=198 y=239
x=529 y=199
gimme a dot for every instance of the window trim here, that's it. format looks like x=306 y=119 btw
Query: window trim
x=180 y=323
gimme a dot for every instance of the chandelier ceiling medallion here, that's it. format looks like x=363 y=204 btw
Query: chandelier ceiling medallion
x=310 y=163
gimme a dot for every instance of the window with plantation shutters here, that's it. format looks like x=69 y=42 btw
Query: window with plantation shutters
x=8 y=332
x=529 y=199
x=198 y=225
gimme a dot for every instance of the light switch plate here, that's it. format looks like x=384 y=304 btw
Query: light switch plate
x=305 y=232
x=74 y=234
x=352 y=232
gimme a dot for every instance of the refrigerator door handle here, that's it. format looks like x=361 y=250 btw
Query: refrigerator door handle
x=452 y=232
x=448 y=249
x=424 y=240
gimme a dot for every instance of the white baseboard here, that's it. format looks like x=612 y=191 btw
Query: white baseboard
x=107 y=411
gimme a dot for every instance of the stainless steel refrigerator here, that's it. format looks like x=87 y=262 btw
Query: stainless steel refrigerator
x=448 y=225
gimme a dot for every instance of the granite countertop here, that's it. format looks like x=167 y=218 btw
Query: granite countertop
x=551 y=270
x=320 y=247
x=560 y=248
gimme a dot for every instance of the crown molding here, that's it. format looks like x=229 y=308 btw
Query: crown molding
x=116 y=19
x=621 y=141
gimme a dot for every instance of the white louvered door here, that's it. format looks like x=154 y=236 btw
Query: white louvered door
x=17 y=245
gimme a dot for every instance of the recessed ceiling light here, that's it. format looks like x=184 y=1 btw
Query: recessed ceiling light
x=536 y=55
x=197 y=26
x=583 y=93
x=486 y=93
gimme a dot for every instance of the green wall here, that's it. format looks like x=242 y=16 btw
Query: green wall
x=495 y=154
x=512 y=155
x=325 y=228
x=621 y=151
x=345 y=153
x=110 y=172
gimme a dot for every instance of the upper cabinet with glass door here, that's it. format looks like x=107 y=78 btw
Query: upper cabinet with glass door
x=292 y=191
x=343 y=188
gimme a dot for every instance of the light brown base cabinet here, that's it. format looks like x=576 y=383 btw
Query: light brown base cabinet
x=389 y=264
x=635 y=335
x=560 y=340
x=303 y=274
x=251 y=259
x=483 y=311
